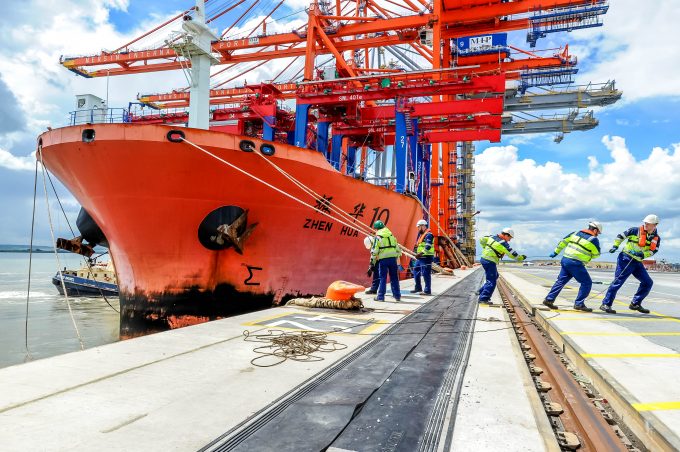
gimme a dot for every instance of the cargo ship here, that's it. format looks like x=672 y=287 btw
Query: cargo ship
x=235 y=202
x=160 y=204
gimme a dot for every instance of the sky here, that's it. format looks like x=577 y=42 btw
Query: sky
x=616 y=173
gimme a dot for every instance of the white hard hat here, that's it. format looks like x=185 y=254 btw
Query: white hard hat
x=596 y=224
x=508 y=231
x=368 y=242
x=421 y=223
x=652 y=219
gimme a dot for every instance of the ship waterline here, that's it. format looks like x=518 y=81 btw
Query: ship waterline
x=159 y=203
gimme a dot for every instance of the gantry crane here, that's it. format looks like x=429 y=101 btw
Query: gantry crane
x=433 y=115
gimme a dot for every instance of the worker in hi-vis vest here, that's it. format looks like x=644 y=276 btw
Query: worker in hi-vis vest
x=579 y=249
x=494 y=247
x=643 y=242
x=384 y=254
x=424 y=256
x=372 y=269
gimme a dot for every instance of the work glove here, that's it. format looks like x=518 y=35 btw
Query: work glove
x=639 y=254
x=553 y=254
x=401 y=268
x=419 y=256
x=521 y=257
x=613 y=249
x=370 y=271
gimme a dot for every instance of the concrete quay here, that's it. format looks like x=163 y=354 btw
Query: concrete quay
x=436 y=373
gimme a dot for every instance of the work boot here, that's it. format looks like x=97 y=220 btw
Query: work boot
x=415 y=291
x=425 y=293
x=371 y=292
x=378 y=299
x=583 y=308
x=550 y=303
x=607 y=309
x=397 y=299
x=638 y=308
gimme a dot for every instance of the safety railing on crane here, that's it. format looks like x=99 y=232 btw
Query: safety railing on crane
x=566 y=19
x=550 y=77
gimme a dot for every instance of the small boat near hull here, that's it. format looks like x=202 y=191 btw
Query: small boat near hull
x=83 y=287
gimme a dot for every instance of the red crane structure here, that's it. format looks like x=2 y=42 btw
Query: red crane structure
x=448 y=88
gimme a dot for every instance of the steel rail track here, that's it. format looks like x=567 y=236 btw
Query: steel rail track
x=585 y=428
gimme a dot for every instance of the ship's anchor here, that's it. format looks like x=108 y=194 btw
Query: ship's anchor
x=235 y=233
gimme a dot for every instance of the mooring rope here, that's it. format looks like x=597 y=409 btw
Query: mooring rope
x=453 y=245
x=315 y=195
x=327 y=303
x=90 y=272
x=352 y=226
x=56 y=254
x=28 y=356
x=301 y=346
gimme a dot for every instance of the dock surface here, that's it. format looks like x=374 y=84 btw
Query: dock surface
x=427 y=373
x=633 y=359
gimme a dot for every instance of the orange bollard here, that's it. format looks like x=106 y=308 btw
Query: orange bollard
x=342 y=290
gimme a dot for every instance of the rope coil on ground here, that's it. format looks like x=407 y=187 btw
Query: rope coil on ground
x=301 y=346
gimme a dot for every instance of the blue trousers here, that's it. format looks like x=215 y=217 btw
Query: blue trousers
x=626 y=266
x=385 y=267
x=491 y=278
x=376 y=280
x=423 y=267
x=572 y=268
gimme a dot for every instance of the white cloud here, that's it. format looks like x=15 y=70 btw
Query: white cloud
x=39 y=33
x=637 y=46
x=10 y=161
x=544 y=202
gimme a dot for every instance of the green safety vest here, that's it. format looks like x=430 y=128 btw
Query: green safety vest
x=494 y=248
x=385 y=245
x=635 y=240
x=421 y=246
x=578 y=248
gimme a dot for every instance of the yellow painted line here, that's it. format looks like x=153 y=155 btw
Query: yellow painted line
x=620 y=303
x=563 y=310
x=602 y=317
x=657 y=406
x=272 y=317
x=598 y=333
x=371 y=328
x=551 y=281
x=630 y=355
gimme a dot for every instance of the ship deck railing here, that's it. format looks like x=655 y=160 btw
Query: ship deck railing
x=99 y=116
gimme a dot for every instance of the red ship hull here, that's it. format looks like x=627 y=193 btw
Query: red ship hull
x=149 y=196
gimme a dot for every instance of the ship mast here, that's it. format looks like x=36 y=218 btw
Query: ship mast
x=195 y=44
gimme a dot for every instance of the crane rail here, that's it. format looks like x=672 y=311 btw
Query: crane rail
x=580 y=416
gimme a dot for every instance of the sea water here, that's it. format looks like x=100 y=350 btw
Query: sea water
x=49 y=328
